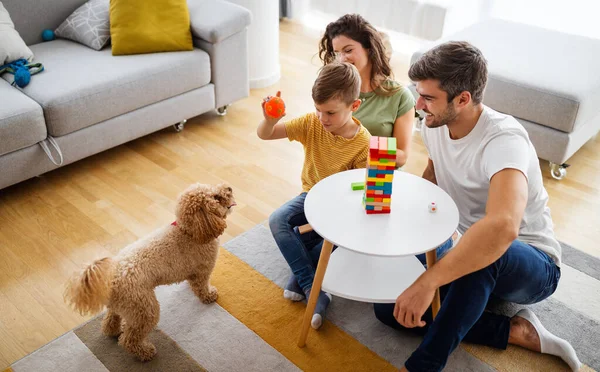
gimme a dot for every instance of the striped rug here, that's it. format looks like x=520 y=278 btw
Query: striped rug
x=252 y=328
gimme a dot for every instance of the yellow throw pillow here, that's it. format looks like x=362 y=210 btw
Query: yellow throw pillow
x=148 y=26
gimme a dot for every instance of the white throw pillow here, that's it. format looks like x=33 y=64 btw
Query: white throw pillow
x=88 y=25
x=12 y=46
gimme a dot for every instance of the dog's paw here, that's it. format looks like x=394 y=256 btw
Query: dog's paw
x=146 y=352
x=210 y=296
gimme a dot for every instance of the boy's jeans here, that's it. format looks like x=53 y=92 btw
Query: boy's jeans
x=301 y=251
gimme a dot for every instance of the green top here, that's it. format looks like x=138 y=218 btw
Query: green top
x=378 y=113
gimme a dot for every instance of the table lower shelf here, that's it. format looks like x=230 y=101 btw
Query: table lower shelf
x=367 y=278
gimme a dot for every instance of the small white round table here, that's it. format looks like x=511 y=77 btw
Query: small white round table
x=375 y=259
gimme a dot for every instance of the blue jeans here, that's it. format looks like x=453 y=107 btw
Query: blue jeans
x=301 y=251
x=523 y=274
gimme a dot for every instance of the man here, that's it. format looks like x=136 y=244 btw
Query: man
x=485 y=161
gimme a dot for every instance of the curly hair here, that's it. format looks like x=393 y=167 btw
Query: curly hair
x=358 y=29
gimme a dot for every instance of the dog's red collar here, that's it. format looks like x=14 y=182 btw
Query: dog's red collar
x=174 y=223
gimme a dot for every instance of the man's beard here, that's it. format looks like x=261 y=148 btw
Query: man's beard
x=444 y=118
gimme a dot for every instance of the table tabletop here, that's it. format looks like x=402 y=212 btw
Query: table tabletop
x=336 y=213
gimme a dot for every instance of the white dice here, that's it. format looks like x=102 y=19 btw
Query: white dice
x=432 y=207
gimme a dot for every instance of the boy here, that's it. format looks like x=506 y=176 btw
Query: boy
x=333 y=141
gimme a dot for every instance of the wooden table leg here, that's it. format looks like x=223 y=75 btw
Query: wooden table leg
x=305 y=228
x=315 y=290
x=431 y=258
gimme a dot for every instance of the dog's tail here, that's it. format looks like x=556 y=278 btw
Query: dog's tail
x=88 y=291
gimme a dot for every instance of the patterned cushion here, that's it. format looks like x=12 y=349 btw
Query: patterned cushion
x=88 y=25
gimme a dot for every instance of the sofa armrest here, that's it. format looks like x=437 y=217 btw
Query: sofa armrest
x=216 y=20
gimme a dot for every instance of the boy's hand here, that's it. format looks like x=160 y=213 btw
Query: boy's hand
x=269 y=119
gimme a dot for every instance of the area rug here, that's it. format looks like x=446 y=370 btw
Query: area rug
x=252 y=328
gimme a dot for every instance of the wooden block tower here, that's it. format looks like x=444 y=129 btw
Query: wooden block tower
x=381 y=164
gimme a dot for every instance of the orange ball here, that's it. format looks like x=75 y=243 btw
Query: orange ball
x=275 y=107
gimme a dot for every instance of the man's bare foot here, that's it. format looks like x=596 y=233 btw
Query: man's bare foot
x=523 y=333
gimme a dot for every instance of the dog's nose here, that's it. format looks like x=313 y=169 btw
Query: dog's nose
x=229 y=189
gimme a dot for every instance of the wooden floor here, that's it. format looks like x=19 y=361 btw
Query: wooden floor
x=51 y=225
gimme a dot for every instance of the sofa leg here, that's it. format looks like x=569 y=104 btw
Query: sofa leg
x=558 y=171
x=222 y=110
x=179 y=126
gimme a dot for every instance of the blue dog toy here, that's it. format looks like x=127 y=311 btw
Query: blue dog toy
x=22 y=70
x=47 y=35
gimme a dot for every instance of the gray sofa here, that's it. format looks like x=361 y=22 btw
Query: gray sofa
x=87 y=101
x=548 y=80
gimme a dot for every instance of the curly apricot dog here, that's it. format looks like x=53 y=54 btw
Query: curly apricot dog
x=184 y=250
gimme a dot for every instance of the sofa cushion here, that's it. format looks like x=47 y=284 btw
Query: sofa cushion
x=81 y=87
x=21 y=120
x=539 y=75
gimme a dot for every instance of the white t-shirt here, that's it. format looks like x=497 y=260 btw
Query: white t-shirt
x=464 y=168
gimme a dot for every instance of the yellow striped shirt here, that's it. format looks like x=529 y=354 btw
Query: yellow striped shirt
x=325 y=153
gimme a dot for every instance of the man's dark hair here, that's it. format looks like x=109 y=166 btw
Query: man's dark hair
x=458 y=65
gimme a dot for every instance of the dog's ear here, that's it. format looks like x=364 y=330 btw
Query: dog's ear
x=223 y=193
x=198 y=214
x=209 y=223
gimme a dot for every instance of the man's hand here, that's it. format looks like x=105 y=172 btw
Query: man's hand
x=412 y=304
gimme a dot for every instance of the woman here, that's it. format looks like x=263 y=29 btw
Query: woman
x=388 y=108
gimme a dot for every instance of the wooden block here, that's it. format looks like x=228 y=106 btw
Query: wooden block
x=377 y=204
x=383 y=145
x=358 y=185
x=378 y=192
x=388 y=164
x=391 y=145
x=377 y=212
x=374 y=142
